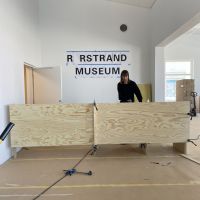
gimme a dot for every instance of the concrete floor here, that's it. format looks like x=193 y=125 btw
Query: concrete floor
x=119 y=172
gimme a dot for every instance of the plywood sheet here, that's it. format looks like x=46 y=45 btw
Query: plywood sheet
x=51 y=125
x=195 y=127
x=141 y=123
x=145 y=90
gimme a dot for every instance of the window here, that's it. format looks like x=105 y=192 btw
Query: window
x=176 y=71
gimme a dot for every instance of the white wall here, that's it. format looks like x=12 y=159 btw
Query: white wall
x=94 y=25
x=184 y=48
x=160 y=74
x=166 y=17
x=19 y=43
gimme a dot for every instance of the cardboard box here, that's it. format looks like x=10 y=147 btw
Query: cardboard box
x=184 y=89
x=198 y=104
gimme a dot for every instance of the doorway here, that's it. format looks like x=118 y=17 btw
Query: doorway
x=42 y=85
x=28 y=84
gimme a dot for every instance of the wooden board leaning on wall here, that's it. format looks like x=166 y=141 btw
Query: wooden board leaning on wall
x=51 y=125
x=141 y=123
x=146 y=92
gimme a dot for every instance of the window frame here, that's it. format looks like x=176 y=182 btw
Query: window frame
x=178 y=74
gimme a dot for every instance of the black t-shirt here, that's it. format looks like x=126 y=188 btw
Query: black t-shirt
x=126 y=92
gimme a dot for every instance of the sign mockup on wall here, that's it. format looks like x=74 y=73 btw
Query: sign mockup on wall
x=95 y=64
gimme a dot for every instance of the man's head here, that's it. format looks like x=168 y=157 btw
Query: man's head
x=124 y=77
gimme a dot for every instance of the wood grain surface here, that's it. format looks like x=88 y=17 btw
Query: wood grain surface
x=51 y=125
x=141 y=123
x=82 y=124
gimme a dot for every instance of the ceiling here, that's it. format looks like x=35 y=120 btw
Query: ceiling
x=189 y=39
x=194 y=31
x=139 y=3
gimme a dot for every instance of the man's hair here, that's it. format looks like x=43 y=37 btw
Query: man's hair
x=124 y=73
